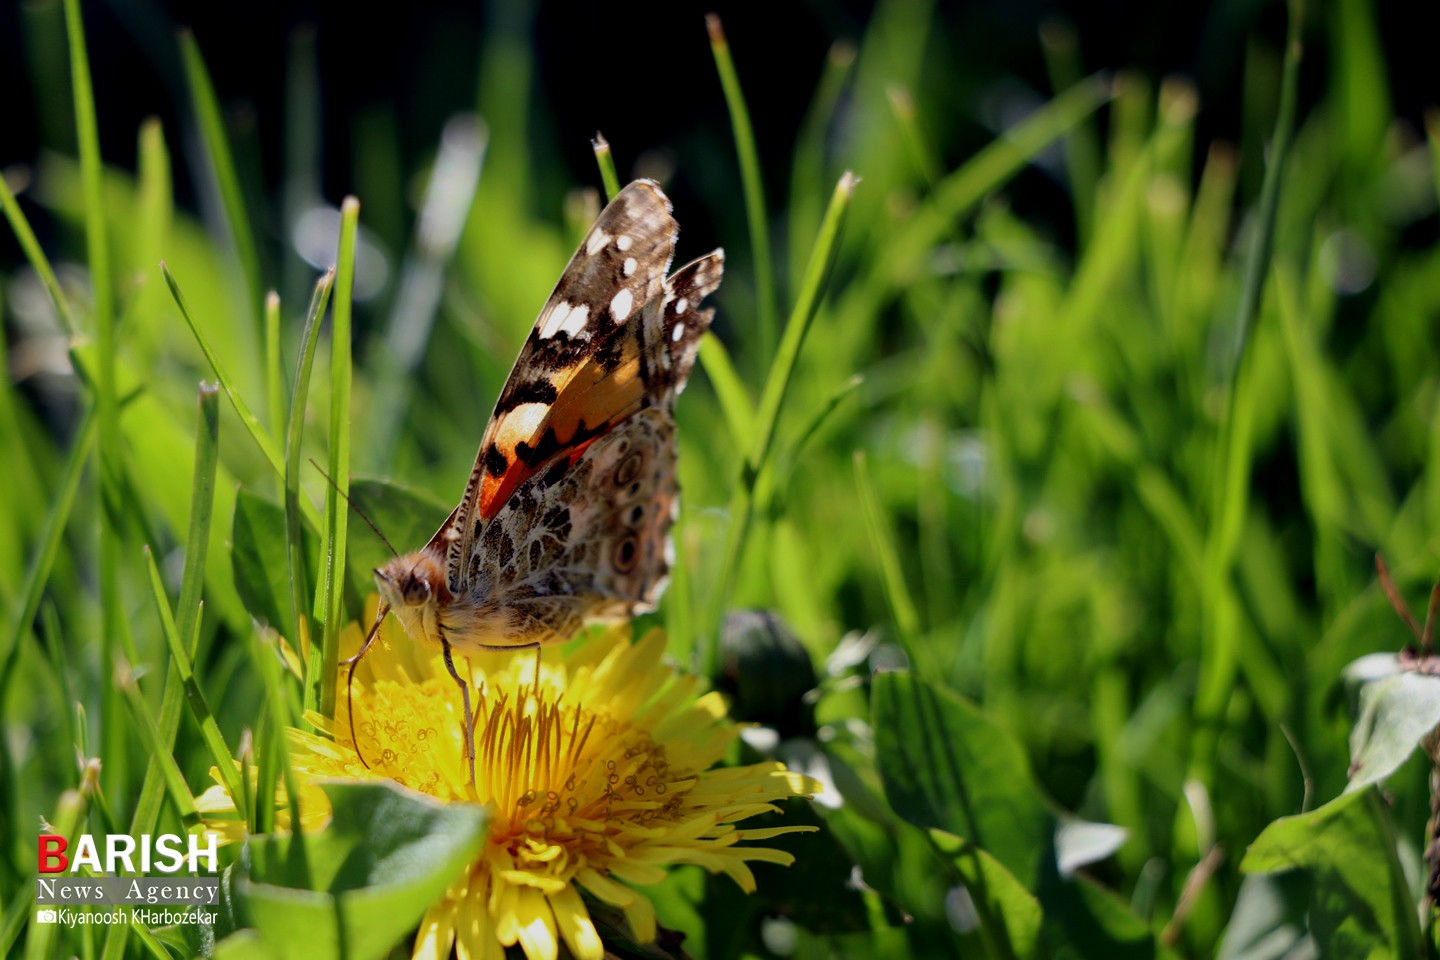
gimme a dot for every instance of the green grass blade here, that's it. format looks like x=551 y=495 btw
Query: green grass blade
x=1230 y=483
x=320 y=671
x=97 y=253
x=809 y=171
x=222 y=164
x=917 y=144
x=1061 y=45
x=51 y=535
x=114 y=626
x=959 y=193
x=294 y=435
x=202 y=502
x=155 y=197
x=274 y=375
x=902 y=605
x=275 y=761
x=606 y=161
x=38 y=261
x=69 y=819
x=742 y=503
x=160 y=757
x=812 y=289
x=17 y=911
x=734 y=399
x=194 y=696
x=832 y=403
x=252 y=424
x=752 y=184
x=1257 y=257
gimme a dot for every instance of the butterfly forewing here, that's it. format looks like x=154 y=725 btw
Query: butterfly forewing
x=582 y=338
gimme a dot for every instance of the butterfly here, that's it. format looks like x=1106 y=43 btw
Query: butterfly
x=567 y=513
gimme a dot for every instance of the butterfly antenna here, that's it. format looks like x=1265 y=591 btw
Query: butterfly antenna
x=1393 y=595
x=358 y=512
x=352 y=663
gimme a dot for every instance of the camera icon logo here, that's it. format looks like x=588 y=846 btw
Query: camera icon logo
x=47 y=916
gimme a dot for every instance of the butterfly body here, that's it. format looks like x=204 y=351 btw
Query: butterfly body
x=567 y=512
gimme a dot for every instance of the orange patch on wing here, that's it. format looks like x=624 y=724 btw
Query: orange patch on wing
x=592 y=400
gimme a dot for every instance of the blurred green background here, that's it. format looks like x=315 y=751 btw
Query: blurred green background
x=1083 y=430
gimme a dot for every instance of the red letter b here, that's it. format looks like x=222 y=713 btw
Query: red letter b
x=52 y=853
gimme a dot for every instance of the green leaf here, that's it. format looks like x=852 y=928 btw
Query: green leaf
x=1083 y=920
x=1396 y=714
x=363 y=883
x=1360 y=903
x=1005 y=907
x=1269 y=919
x=258 y=558
x=948 y=765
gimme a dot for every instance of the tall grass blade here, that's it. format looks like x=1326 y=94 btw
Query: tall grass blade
x=752 y=184
x=274 y=375
x=51 y=535
x=160 y=756
x=67 y=822
x=809 y=171
x=1230 y=500
x=294 y=435
x=742 y=502
x=902 y=605
x=735 y=402
x=605 y=160
x=252 y=424
x=38 y=261
x=202 y=501
x=222 y=165
x=1061 y=46
x=194 y=696
x=960 y=192
x=320 y=671
x=115 y=628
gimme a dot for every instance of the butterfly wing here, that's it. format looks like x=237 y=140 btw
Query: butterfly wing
x=582 y=541
x=579 y=371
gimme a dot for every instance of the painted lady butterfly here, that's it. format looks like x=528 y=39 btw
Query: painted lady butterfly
x=567 y=513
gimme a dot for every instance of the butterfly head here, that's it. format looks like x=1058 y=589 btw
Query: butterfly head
x=414 y=587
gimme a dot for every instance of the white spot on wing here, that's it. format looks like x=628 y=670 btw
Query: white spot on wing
x=575 y=322
x=623 y=242
x=678 y=332
x=597 y=242
x=682 y=305
x=630 y=264
x=621 y=305
x=554 y=316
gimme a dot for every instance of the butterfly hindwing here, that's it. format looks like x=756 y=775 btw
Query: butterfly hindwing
x=683 y=322
x=583 y=540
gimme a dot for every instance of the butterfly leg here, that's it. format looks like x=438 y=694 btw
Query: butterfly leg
x=352 y=663
x=469 y=717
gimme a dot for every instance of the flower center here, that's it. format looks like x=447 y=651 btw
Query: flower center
x=548 y=764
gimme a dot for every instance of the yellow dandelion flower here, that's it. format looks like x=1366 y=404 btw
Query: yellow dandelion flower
x=596 y=759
